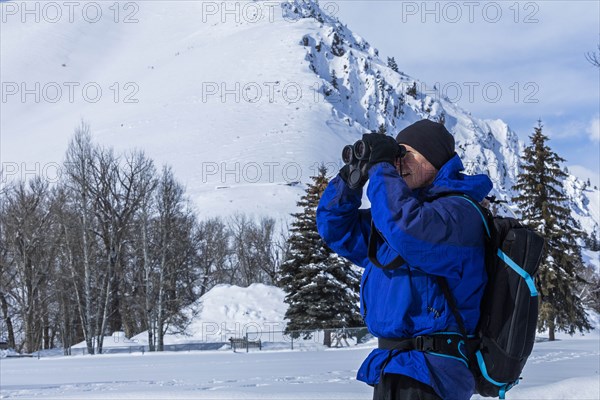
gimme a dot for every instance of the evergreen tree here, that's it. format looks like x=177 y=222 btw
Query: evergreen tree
x=543 y=205
x=412 y=91
x=442 y=118
x=321 y=287
x=592 y=242
x=334 y=79
x=589 y=288
x=391 y=62
x=337 y=46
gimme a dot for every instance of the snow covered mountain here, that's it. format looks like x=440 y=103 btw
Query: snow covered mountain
x=245 y=100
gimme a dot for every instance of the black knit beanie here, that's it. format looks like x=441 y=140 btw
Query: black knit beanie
x=431 y=139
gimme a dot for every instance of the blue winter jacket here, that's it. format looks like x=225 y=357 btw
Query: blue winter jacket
x=436 y=236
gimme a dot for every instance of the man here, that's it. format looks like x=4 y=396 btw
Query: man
x=422 y=225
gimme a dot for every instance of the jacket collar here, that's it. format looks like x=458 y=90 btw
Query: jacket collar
x=450 y=179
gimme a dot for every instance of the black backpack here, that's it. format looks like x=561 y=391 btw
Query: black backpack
x=509 y=309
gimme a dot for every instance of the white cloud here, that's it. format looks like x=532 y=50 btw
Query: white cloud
x=564 y=129
x=561 y=128
x=593 y=129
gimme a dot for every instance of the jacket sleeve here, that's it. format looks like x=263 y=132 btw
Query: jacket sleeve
x=436 y=237
x=341 y=224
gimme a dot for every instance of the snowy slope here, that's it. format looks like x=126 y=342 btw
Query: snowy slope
x=242 y=106
x=214 y=142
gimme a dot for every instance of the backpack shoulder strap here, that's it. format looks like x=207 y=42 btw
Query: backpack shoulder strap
x=485 y=214
x=487 y=219
x=443 y=282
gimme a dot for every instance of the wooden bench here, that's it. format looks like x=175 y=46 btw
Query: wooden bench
x=244 y=343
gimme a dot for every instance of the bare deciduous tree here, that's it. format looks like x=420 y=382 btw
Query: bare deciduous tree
x=119 y=189
x=77 y=183
x=175 y=254
x=116 y=246
x=212 y=237
x=7 y=274
x=27 y=224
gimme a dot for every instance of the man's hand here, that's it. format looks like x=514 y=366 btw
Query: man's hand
x=383 y=148
x=377 y=148
x=345 y=173
x=358 y=180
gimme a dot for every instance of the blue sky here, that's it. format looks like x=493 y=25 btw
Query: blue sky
x=517 y=61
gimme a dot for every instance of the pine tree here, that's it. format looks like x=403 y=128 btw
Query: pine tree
x=321 y=287
x=334 y=79
x=442 y=118
x=594 y=243
x=337 y=46
x=391 y=62
x=412 y=91
x=543 y=205
x=589 y=287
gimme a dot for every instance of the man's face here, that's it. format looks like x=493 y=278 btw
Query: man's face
x=415 y=169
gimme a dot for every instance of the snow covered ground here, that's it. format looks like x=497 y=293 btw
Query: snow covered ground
x=565 y=369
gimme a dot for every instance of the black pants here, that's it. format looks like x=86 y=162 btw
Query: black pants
x=401 y=387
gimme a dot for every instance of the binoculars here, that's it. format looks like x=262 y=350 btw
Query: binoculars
x=357 y=157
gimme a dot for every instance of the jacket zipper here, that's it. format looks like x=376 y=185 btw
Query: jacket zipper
x=362 y=295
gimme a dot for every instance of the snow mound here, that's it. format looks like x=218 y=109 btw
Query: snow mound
x=231 y=311
x=117 y=339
